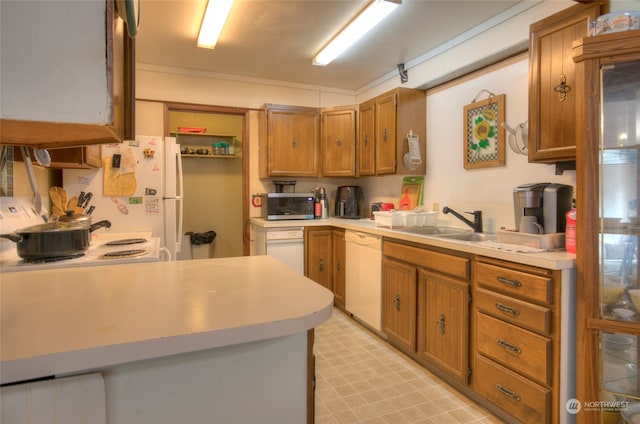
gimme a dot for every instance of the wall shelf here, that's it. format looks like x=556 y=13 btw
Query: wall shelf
x=190 y=143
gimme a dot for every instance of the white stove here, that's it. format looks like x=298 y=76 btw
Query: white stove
x=106 y=248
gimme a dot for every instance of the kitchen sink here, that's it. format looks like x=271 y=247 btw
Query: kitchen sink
x=432 y=231
x=469 y=236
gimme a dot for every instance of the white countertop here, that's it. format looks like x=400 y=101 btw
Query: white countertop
x=72 y=320
x=549 y=260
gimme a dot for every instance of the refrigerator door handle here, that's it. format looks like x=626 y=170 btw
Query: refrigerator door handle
x=178 y=159
x=178 y=235
x=179 y=199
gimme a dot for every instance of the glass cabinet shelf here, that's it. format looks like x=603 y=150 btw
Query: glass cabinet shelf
x=619 y=188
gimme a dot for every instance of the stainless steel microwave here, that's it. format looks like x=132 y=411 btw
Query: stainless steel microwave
x=279 y=206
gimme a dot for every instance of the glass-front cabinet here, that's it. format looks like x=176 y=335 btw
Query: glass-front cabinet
x=608 y=189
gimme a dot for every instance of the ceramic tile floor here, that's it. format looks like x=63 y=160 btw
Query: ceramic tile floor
x=360 y=378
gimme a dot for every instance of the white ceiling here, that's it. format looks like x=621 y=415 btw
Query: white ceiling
x=276 y=39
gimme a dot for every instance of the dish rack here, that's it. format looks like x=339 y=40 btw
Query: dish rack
x=395 y=219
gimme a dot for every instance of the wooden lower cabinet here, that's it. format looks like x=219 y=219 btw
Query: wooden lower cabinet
x=525 y=400
x=517 y=339
x=425 y=308
x=399 y=290
x=325 y=259
x=443 y=328
x=338 y=259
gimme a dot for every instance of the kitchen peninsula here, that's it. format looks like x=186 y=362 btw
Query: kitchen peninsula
x=224 y=339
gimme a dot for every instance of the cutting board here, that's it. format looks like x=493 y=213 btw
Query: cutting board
x=115 y=183
x=413 y=186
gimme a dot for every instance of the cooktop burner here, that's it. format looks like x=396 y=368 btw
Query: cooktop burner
x=51 y=259
x=125 y=242
x=123 y=254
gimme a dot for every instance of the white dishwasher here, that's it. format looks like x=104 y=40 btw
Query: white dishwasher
x=287 y=245
x=363 y=297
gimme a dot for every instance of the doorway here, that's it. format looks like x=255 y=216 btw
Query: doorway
x=215 y=182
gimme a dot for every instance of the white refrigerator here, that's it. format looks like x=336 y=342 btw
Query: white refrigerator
x=138 y=189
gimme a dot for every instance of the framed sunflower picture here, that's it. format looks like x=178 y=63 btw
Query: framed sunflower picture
x=484 y=138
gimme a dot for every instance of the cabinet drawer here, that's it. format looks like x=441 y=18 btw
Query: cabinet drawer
x=517 y=348
x=524 y=314
x=518 y=283
x=524 y=399
x=454 y=266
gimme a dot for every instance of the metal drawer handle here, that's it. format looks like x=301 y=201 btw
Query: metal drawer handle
x=384 y=135
x=508 y=346
x=396 y=301
x=507 y=309
x=294 y=143
x=338 y=142
x=507 y=392
x=338 y=265
x=321 y=265
x=366 y=140
x=509 y=282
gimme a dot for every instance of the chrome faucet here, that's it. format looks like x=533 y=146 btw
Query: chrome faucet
x=477 y=218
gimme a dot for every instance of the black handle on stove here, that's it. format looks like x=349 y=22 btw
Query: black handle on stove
x=13 y=237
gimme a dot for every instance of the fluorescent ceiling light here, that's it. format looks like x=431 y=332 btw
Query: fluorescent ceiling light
x=376 y=11
x=213 y=21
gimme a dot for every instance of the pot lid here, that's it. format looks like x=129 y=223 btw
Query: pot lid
x=51 y=227
x=78 y=218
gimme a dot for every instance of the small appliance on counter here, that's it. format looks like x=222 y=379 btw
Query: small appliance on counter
x=283 y=205
x=349 y=202
x=280 y=186
x=547 y=202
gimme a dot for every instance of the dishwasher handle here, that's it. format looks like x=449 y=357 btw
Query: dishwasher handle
x=363 y=239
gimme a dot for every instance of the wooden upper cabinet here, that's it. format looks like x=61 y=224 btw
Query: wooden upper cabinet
x=339 y=142
x=366 y=140
x=552 y=86
x=289 y=141
x=89 y=98
x=385 y=123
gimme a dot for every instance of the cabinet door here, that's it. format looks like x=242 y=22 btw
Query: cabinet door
x=366 y=143
x=292 y=143
x=444 y=330
x=385 y=124
x=399 y=302
x=318 y=256
x=77 y=157
x=339 y=143
x=552 y=84
x=339 y=264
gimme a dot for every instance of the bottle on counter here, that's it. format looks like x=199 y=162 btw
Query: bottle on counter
x=405 y=202
x=321 y=204
x=317 y=205
x=570 y=231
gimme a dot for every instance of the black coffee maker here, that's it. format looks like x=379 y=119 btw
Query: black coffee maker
x=349 y=200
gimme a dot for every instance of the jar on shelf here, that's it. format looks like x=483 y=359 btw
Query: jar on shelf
x=221 y=148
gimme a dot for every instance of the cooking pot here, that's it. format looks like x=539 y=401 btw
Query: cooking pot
x=54 y=239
